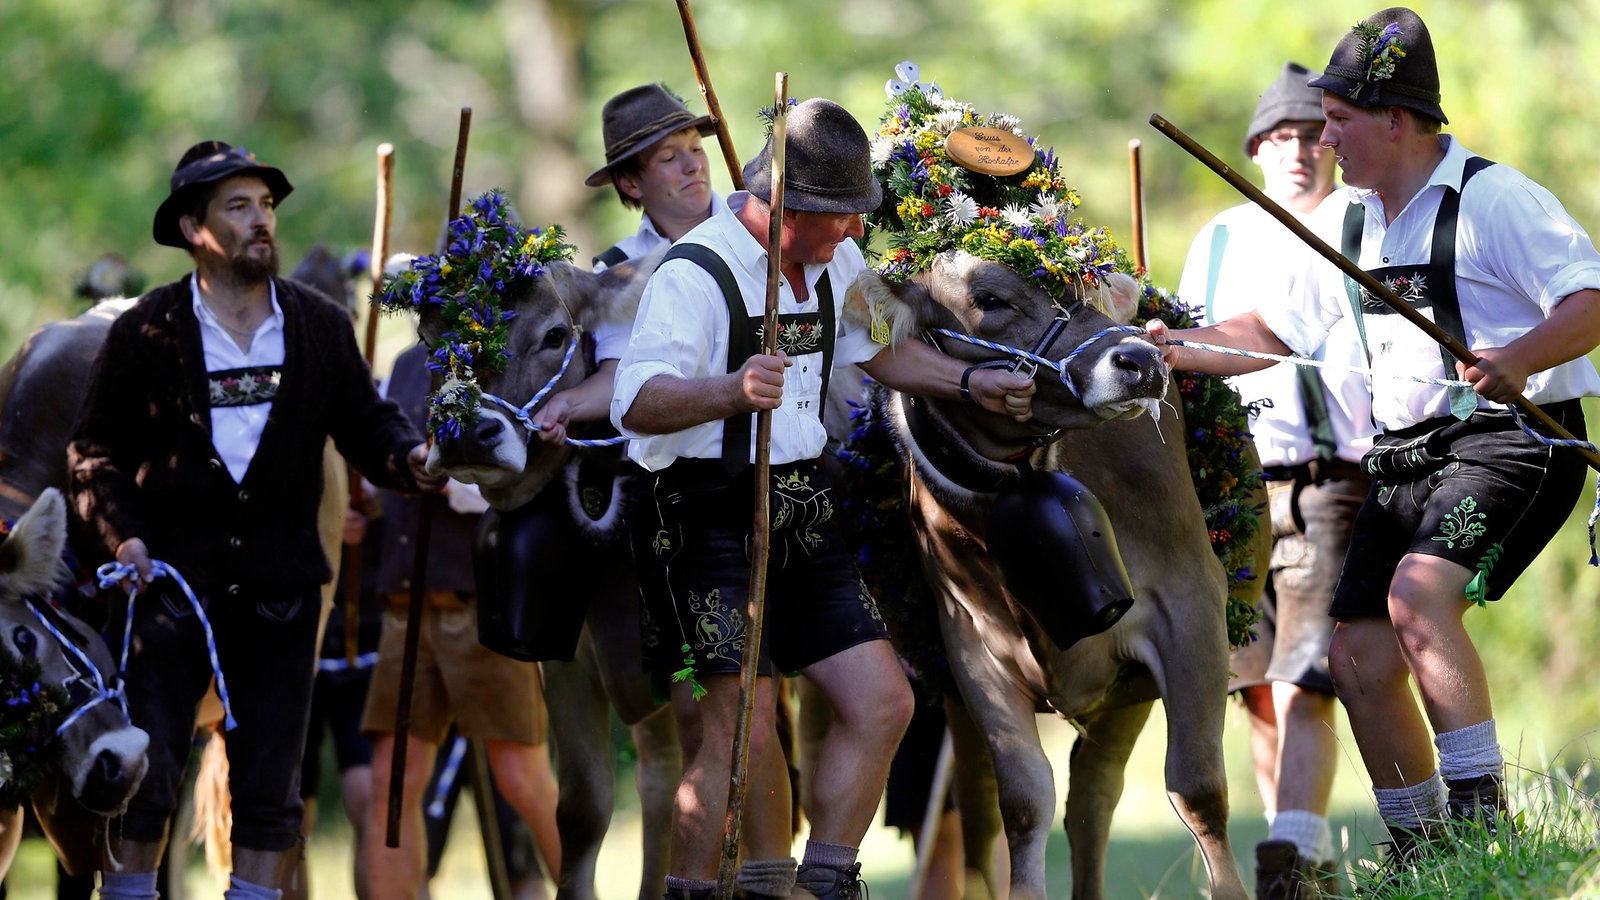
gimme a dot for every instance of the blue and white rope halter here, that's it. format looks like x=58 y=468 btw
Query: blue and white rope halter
x=111 y=573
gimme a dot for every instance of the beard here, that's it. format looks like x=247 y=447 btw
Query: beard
x=243 y=268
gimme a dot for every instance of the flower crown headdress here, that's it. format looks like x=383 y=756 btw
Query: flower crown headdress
x=486 y=259
x=1022 y=220
x=1381 y=48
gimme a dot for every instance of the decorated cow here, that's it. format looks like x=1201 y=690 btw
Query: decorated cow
x=65 y=742
x=1034 y=538
x=555 y=576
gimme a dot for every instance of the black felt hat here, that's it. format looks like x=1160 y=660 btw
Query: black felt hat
x=636 y=120
x=827 y=162
x=1289 y=99
x=1387 y=60
x=205 y=163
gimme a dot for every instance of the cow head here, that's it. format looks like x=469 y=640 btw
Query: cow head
x=498 y=452
x=90 y=745
x=1113 y=375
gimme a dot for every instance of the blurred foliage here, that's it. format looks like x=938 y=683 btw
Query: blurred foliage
x=98 y=98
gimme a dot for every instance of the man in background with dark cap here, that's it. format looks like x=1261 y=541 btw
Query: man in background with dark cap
x=688 y=387
x=201 y=445
x=1310 y=430
x=1463 y=499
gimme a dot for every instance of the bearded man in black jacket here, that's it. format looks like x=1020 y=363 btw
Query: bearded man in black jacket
x=200 y=445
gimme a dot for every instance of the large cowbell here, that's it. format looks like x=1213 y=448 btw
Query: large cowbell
x=1058 y=556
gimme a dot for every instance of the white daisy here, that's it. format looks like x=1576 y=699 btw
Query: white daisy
x=946 y=120
x=882 y=147
x=1017 y=216
x=1047 y=207
x=961 y=209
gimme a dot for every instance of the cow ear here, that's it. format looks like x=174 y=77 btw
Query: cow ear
x=30 y=557
x=622 y=285
x=875 y=303
x=1119 y=297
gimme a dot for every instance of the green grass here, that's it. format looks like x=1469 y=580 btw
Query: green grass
x=1554 y=851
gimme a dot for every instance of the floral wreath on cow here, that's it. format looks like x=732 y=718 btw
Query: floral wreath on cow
x=1015 y=211
x=30 y=712
x=486 y=258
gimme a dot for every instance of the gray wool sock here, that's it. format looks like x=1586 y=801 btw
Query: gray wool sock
x=834 y=856
x=1308 y=832
x=1410 y=807
x=766 y=877
x=1470 y=752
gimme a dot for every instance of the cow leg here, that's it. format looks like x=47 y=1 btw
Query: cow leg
x=1099 y=764
x=10 y=837
x=613 y=626
x=1191 y=678
x=581 y=735
x=976 y=801
x=1006 y=717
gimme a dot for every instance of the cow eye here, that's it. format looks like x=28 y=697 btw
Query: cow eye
x=555 y=338
x=986 y=301
x=25 y=642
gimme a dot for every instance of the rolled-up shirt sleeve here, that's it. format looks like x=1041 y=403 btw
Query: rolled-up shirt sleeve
x=681 y=330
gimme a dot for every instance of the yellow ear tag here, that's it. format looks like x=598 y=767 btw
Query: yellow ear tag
x=879 y=331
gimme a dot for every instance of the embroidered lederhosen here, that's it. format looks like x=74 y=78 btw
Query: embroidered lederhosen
x=1430 y=287
x=692 y=535
x=1469 y=488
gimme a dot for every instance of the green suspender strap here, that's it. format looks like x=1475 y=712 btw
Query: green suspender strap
x=611 y=256
x=1219 y=246
x=744 y=341
x=1355 y=218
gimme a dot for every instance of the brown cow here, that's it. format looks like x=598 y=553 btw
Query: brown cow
x=1171 y=645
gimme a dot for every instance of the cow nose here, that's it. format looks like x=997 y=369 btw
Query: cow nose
x=107 y=768
x=488 y=430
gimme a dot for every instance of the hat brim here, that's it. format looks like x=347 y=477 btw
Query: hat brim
x=1343 y=88
x=602 y=176
x=859 y=201
x=165 y=228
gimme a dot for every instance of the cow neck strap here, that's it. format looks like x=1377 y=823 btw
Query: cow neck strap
x=744 y=341
x=950 y=455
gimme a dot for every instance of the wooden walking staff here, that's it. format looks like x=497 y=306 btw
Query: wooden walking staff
x=369 y=349
x=1136 y=171
x=1370 y=284
x=419 y=571
x=724 y=139
x=756 y=607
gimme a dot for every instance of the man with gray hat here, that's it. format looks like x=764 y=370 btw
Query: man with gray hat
x=200 y=445
x=1310 y=429
x=1464 y=499
x=688 y=388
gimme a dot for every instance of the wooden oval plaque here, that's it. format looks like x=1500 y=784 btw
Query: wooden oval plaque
x=991 y=151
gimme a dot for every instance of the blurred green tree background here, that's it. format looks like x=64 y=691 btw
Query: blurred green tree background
x=99 y=97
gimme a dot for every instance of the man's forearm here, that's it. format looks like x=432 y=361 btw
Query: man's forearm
x=667 y=403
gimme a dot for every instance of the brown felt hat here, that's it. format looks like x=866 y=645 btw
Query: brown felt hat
x=1386 y=60
x=1289 y=99
x=636 y=120
x=827 y=162
x=206 y=163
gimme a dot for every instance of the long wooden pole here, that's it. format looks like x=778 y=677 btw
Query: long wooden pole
x=756 y=606
x=703 y=77
x=419 y=569
x=369 y=350
x=1136 y=182
x=1370 y=284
